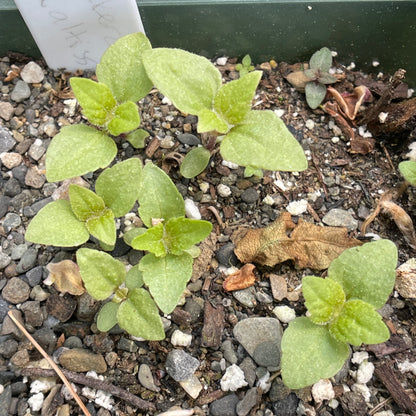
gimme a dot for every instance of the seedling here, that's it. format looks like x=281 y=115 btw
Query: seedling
x=318 y=73
x=245 y=67
x=408 y=170
x=342 y=310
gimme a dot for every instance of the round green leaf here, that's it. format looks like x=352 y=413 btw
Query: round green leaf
x=195 y=162
x=85 y=203
x=209 y=120
x=137 y=138
x=190 y=81
x=101 y=273
x=103 y=227
x=408 y=170
x=310 y=353
x=359 y=323
x=121 y=68
x=263 y=141
x=321 y=60
x=130 y=235
x=139 y=316
x=134 y=278
x=119 y=185
x=366 y=272
x=315 y=94
x=151 y=240
x=324 y=298
x=107 y=316
x=55 y=224
x=77 y=150
x=126 y=118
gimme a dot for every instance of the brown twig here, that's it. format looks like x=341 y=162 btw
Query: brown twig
x=95 y=384
x=319 y=173
x=56 y=369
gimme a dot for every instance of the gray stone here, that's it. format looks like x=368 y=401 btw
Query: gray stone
x=187 y=138
x=16 y=291
x=37 y=150
x=8 y=347
x=193 y=308
x=34 y=276
x=180 y=365
x=18 y=251
x=11 y=221
x=249 y=369
x=20 y=92
x=4 y=308
x=5 y=400
x=6 y=110
x=19 y=173
x=34 y=178
x=7 y=141
x=12 y=187
x=267 y=354
x=340 y=218
x=249 y=401
x=287 y=406
x=126 y=344
x=250 y=196
x=226 y=406
x=73 y=342
x=264 y=297
x=145 y=377
x=87 y=307
x=33 y=209
x=33 y=313
x=4 y=205
x=4 y=260
x=32 y=73
x=229 y=353
x=28 y=260
x=278 y=391
x=226 y=256
x=246 y=297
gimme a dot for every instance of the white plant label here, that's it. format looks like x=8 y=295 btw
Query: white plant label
x=73 y=34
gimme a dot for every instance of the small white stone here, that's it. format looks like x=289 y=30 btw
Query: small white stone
x=204 y=187
x=279 y=112
x=410 y=92
x=228 y=164
x=263 y=383
x=365 y=372
x=233 y=379
x=297 y=207
x=351 y=66
x=359 y=356
x=363 y=390
x=268 y=200
x=192 y=386
x=222 y=60
x=104 y=399
x=407 y=367
x=284 y=313
x=382 y=117
x=335 y=139
x=333 y=403
x=42 y=386
x=223 y=190
x=375 y=63
x=166 y=100
x=32 y=73
x=167 y=143
x=36 y=401
x=191 y=210
x=322 y=390
x=309 y=124
x=180 y=339
x=71 y=105
x=1 y=388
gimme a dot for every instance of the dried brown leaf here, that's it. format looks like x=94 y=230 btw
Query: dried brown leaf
x=308 y=245
x=66 y=277
x=241 y=279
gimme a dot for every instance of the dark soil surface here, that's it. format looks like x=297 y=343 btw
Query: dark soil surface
x=339 y=181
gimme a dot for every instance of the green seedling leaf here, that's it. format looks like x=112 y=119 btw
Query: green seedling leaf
x=56 y=225
x=182 y=233
x=195 y=162
x=85 y=203
x=324 y=298
x=134 y=278
x=121 y=68
x=158 y=196
x=96 y=100
x=107 y=316
x=209 y=120
x=246 y=61
x=408 y=170
x=315 y=94
x=263 y=141
x=119 y=185
x=103 y=228
x=166 y=278
x=190 y=81
x=137 y=138
x=139 y=316
x=130 y=235
x=77 y=150
x=250 y=171
x=312 y=74
x=233 y=100
x=126 y=118
x=326 y=78
x=152 y=240
x=366 y=272
x=101 y=274
x=359 y=323
x=321 y=60
x=310 y=353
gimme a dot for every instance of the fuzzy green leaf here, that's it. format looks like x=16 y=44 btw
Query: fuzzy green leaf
x=166 y=278
x=101 y=274
x=103 y=227
x=158 y=196
x=310 y=353
x=233 y=100
x=95 y=98
x=209 y=120
x=130 y=235
x=190 y=81
x=195 y=162
x=121 y=68
x=182 y=233
x=56 y=225
x=134 y=278
x=408 y=170
x=321 y=60
x=315 y=94
x=77 y=150
x=126 y=118
x=85 y=203
x=366 y=272
x=263 y=141
x=119 y=185
x=326 y=78
x=137 y=138
x=139 y=316
x=107 y=316
x=359 y=323
x=324 y=298
x=151 y=240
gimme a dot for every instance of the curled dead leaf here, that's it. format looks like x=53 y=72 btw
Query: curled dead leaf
x=306 y=244
x=241 y=279
x=66 y=277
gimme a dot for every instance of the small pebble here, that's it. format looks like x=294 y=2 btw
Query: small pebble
x=322 y=390
x=179 y=338
x=406 y=279
x=223 y=190
x=191 y=210
x=11 y=160
x=36 y=401
x=81 y=360
x=7 y=141
x=190 y=139
x=248 y=402
x=297 y=207
x=16 y=291
x=222 y=60
x=225 y=406
x=310 y=124
x=180 y=365
x=145 y=377
x=6 y=110
x=233 y=379
x=365 y=372
x=250 y=196
x=32 y=73
x=340 y=218
x=284 y=313
x=20 y=92
x=192 y=386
